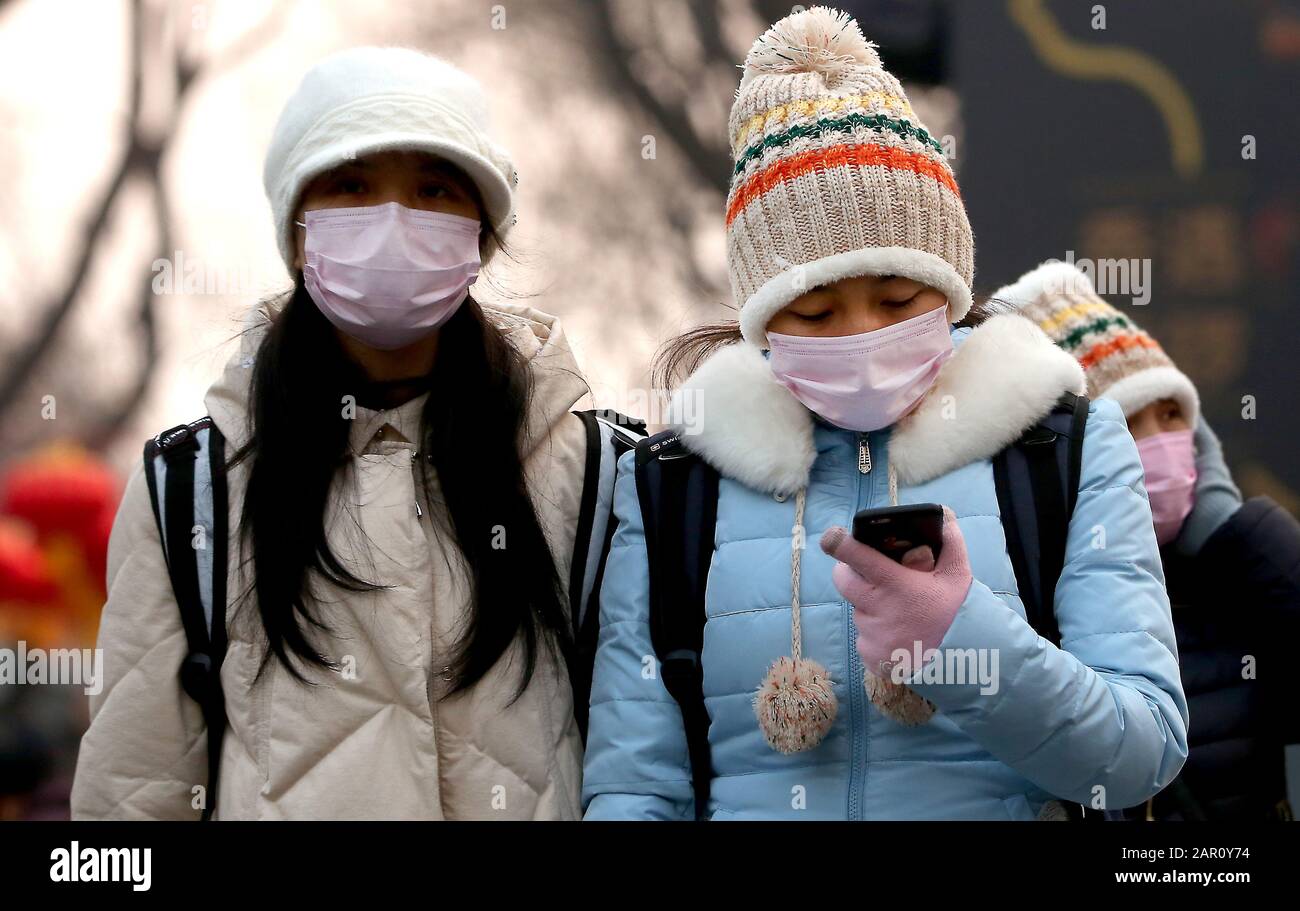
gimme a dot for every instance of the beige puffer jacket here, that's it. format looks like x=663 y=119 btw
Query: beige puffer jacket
x=378 y=741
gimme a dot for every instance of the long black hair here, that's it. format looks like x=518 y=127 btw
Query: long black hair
x=472 y=430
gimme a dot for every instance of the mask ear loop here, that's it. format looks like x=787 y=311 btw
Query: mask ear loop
x=301 y=224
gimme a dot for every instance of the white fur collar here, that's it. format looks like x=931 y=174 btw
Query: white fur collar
x=1004 y=376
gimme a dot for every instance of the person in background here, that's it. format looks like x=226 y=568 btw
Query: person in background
x=1232 y=568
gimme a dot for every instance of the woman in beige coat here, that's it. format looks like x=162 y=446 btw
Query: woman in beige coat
x=404 y=483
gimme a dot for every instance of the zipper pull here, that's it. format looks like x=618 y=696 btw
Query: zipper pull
x=864 y=455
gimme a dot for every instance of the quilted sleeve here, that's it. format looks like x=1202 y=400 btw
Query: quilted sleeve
x=146 y=746
x=1103 y=719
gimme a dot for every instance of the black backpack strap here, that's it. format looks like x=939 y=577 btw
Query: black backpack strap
x=609 y=435
x=678 y=493
x=1037 y=483
x=186 y=471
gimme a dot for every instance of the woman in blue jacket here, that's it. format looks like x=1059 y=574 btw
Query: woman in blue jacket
x=828 y=672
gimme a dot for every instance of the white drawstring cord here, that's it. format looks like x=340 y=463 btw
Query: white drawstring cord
x=797 y=543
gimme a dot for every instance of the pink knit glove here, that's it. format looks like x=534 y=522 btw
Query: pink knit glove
x=896 y=605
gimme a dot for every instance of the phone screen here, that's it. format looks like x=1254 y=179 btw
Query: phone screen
x=894 y=530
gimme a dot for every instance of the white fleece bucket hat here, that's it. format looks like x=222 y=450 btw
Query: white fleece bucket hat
x=371 y=99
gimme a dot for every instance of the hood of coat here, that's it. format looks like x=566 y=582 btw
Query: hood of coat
x=557 y=382
x=1004 y=376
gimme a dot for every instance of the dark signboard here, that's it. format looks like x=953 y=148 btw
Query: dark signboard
x=1156 y=142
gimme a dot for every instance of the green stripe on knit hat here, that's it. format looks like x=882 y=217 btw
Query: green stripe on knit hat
x=832 y=125
x=1072 y=340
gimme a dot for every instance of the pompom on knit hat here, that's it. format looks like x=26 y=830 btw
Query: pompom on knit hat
x=372 y=99
x=1120 y=360
x=834 y=175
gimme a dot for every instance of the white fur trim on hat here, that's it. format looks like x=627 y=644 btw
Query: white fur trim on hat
x=372 y=99
x=778 y=291
x=1138 y=390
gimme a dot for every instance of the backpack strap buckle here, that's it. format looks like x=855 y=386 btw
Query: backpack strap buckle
x=1039 y=436
x=178 y=439
x=181 y=438
x=196 y=676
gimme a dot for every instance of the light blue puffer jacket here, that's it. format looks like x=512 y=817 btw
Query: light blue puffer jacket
x=1104 y=711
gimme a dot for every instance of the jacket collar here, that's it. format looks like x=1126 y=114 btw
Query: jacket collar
x=1005 y=376
x=402 y=420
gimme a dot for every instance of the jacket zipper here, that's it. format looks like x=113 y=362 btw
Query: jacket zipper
x=858 y=711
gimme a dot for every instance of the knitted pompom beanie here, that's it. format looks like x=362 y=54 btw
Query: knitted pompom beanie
x=1120 y=360
x=834 y=175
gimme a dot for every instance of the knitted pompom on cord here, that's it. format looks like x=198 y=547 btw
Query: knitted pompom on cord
x=897 y=701
x=795 y=703
x=817 y=40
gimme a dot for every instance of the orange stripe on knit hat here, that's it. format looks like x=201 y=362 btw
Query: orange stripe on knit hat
x=864 y=155
x=1116 y=345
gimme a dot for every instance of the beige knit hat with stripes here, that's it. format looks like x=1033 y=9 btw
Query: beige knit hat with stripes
x=1121 y=361
x=834 y=175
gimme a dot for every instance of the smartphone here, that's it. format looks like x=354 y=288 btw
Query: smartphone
x=894 y=530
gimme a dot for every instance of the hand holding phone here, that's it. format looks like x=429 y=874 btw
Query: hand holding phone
x=895 y=607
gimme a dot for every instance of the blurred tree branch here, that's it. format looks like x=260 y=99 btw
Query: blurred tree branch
x=23 y=362
x=141 y=160
x=186 y=73
x=708 y=159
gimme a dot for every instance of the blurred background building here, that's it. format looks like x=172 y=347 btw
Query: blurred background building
x=134 y=233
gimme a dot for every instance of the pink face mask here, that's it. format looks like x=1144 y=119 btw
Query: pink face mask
x=387 y=275
x=866 y=381
x=1169 y=460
